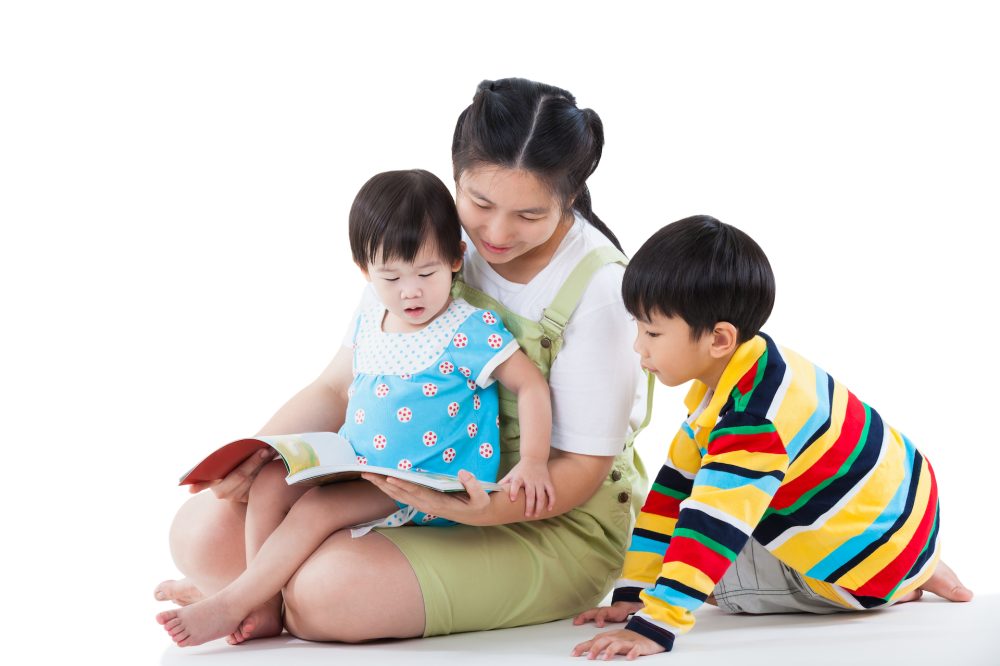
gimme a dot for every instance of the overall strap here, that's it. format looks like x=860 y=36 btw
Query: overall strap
x=557 y=315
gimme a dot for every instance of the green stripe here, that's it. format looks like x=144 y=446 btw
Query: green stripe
x=840 y=472
x=740 y=400
x=670 y=492
x=741 y=430
x=706 y=541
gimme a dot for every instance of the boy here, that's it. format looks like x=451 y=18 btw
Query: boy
x=779 y=469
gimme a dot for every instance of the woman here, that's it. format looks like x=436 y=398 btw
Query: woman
x=522 y=153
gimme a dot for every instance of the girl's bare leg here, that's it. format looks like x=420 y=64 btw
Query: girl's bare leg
x=311 y=520
x=353 y=590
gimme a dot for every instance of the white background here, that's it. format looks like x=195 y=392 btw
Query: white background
x=175 y=180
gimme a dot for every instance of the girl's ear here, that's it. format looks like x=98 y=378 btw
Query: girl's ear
x=457 y=264
x=364 y=271
x=725 y=339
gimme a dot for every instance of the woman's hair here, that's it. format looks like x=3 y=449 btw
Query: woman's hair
x=396 y=212
x=703 y=271
x=521 y=124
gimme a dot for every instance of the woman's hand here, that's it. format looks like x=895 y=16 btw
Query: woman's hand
x=236 y=485
x=466 y=508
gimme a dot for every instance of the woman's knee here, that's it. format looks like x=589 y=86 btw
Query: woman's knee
x=205 y=532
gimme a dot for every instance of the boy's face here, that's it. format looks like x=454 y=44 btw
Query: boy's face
x=669 y=352
x=413 y=292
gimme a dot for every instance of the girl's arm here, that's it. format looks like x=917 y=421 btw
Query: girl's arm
x=534 y=413
x=575 y=477
x=319 y=407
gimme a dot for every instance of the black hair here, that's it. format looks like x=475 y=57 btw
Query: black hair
x=703 y=271
x=395 y=212
x=522 y=124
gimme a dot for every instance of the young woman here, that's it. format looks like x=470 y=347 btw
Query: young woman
x=539 y=256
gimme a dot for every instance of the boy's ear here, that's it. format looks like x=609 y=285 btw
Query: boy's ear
x=725 y=339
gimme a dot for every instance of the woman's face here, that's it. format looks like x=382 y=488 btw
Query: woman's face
x=507 y=213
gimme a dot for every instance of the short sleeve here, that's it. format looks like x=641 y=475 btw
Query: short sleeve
x=367 y=300
x=480 y=345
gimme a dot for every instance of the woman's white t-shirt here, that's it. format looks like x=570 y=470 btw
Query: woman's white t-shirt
x=596 y=383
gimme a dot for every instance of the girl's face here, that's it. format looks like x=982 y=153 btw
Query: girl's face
x=414 y=293
x=510 y=216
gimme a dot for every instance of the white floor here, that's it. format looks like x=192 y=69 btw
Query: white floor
x=928 y=632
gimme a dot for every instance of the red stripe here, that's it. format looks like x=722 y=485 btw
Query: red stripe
x=745 y=385
x=661 y=505
x=693 y=553
x=761 y=442
x=830 y=461
x=882 y=583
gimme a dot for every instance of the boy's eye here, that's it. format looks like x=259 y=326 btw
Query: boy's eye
x=652 y=335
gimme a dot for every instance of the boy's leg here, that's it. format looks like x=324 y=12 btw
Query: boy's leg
x=319 y=513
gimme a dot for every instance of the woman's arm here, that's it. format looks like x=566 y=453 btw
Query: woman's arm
x=319 y=407
x=576 y=478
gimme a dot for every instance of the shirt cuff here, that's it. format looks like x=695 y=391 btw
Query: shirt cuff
x=651 y=631
x=626 y=594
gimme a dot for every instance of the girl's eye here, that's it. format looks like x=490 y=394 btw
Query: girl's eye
x=427 y=274
x=390 y=279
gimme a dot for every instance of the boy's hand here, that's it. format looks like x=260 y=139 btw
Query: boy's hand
x=616 y=612
x=619 y=641
x=533 y=476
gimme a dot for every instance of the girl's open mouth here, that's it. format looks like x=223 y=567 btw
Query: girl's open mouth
x=413 y=312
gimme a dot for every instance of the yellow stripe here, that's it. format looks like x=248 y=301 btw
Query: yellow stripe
x=741 y=362
x=753 y=460
x=803 y=551
x=875 y=562
x=816 y=450
x=684 y=453
x=747 y=503
x=654 y=523
x=825 y=590
x=642 y=566
x=800 y=399
x=688 y=575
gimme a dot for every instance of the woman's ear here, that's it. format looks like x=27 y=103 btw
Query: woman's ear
x=725 y=339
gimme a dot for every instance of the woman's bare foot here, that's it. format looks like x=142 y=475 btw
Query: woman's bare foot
x=182 y=592
x=202 y=621
x=262 y=622
x=945 y=584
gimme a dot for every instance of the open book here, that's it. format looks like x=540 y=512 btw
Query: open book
x=314 y=458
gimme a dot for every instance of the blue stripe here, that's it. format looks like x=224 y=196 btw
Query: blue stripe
x=643 y=545
x=818 y=418
x=850 y=548
x=675 y=598
x=727 y=481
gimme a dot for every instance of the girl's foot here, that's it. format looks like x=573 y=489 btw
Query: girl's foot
x=945 y=584
x=182 y=592
x=202 y=621
x=262 y=622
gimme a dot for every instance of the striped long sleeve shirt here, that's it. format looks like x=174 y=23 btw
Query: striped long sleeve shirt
x=782 y=453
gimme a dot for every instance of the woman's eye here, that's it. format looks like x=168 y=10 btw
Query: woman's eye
x=530 y=219
x=481 y=205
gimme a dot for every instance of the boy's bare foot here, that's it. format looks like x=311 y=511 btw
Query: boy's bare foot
x=945 y=584
x=262 y=622
x=182 y=592
x=912 y=596
x=202 y=621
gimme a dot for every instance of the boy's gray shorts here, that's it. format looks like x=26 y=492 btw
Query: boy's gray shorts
x=758 y=582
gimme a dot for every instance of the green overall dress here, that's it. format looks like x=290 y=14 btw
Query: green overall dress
x=476 y=578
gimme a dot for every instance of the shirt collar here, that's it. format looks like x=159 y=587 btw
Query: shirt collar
x=743 y=359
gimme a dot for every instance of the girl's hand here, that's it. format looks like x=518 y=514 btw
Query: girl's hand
x=465 y=508
x=236 y=485
x=619 y=641
x=533 y=476
x=616 y=612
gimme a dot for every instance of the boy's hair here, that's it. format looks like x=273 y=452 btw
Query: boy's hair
x=396 y=212
x=703 y=271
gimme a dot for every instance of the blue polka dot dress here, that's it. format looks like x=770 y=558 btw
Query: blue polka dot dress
x=426 y=400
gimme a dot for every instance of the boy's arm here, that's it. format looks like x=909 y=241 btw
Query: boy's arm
x=655 y=524
x=740 y=471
